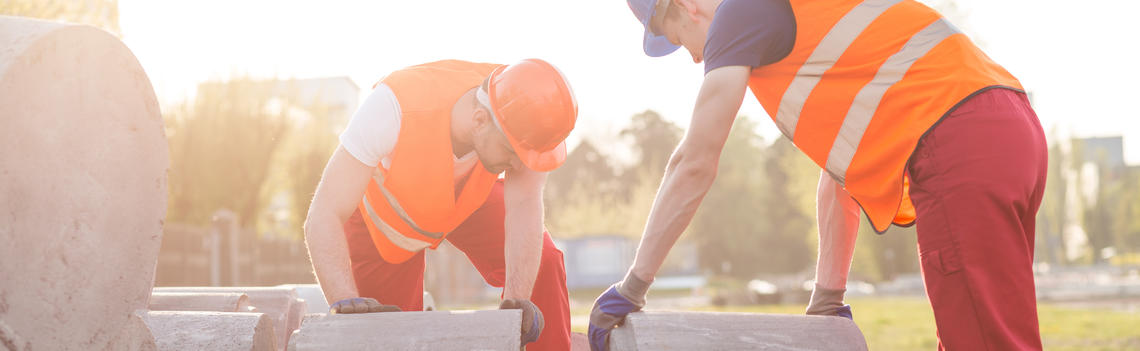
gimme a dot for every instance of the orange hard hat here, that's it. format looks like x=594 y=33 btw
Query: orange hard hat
x=532 y=104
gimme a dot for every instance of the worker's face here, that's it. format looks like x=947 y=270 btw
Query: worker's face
x=685 y=26
x=492 y=146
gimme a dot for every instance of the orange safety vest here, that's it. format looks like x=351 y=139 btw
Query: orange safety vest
x=863 y=83
x=413 y=204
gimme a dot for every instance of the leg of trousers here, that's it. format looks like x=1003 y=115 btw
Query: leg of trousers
x=482 y=238
x=976 y=182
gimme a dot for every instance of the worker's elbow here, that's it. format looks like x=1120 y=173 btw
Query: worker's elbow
x=694 y=166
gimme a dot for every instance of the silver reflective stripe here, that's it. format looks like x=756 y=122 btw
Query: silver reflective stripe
x=834 y=43
x=379 y=178
x=392 y=234
x=867 y=100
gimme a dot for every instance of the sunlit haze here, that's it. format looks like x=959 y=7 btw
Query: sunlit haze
x=1071 y=57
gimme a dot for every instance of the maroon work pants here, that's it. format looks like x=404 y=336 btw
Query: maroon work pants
x=976 y=182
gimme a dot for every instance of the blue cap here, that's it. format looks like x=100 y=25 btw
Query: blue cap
x=654 y=45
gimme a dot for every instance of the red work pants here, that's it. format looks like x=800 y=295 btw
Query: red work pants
x=976 y=181
x=481 y=237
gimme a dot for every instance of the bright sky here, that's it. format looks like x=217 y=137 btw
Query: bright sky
x=1079 y=61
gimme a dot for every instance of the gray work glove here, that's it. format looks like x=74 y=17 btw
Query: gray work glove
x=360 y=305
x=532 y=321
x=828 y=302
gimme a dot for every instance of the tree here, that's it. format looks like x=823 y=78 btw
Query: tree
x=221 y=145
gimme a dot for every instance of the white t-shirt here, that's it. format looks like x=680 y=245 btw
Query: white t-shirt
x=371 y=133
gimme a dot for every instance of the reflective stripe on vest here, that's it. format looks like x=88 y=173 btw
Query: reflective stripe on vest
x=392 y=234
x=378 y=177
x=867 y=100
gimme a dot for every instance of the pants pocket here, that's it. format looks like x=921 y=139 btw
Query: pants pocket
x=944 y=259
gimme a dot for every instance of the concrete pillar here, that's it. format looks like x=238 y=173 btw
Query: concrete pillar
x=216 y=302
x=223 y=331
x=440 y=330
x=83 y=161
x=276 y=302
x=735 y=331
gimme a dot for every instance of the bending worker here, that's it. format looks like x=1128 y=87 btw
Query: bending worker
x=909 y=121
x=420 y=162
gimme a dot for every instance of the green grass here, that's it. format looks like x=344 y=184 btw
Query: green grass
x=908 y=324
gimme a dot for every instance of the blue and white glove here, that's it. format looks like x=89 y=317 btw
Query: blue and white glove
x=612 y=306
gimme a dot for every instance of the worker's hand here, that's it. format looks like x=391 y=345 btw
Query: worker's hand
x=532 y=322
x=611 y=308
x=828 y=302
x=360 y=305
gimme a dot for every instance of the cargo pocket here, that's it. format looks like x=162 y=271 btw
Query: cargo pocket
x=944 y=259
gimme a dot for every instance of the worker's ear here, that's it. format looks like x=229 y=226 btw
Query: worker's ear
x=688 y=9
x=482 y=116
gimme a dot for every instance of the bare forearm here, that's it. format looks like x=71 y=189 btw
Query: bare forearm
x=524 y=232
x=684 y=186
x=328 y=250
x=838 y=218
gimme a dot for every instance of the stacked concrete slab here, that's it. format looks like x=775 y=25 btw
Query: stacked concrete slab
x=83 y=161
x=280 y=304
x=210 y=302
x=439 y=330
x=735 y=331
x=197 y=330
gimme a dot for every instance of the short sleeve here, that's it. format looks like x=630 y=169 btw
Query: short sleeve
x=749 y=33
x=372 y=131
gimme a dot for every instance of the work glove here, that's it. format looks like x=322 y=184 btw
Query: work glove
x=360 y=305
x=612 y=306
x=532 y=322
x=828 y=302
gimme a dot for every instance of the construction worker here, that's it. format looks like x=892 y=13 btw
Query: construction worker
x=909 y=121
x=420 y=162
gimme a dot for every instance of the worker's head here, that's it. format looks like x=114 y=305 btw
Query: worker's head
x=671 y=24
x=525 y=112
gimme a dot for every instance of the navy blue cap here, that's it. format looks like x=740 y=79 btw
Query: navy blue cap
x=654 y=45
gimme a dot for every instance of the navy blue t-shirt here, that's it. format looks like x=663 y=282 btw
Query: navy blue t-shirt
x=749 y=33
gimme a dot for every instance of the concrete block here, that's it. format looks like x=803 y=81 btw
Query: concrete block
x=215 y=302
x=135 y=336
x=83 y=161
x=439 y=330
x=197 y=330
x=734 y=331
x=276 y=302
x=314 y=298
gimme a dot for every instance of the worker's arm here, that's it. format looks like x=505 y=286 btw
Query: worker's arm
x=340 y=190
x=692 y=168
x=522 y=195
x=688 y=177
x=837 y=215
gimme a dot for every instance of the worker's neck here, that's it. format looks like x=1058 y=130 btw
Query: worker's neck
x=463 y=124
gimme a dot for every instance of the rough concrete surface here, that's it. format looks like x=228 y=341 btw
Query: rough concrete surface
x=313 y=296
x=135 y=335
x=83 y=161
x=734 y=331
x=197 y=330
x=276 y=302
x=439 y=330
x=215 y=302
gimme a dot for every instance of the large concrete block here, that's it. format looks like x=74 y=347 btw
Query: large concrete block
x=135 y=335
x=213 y=302
x=197 y=330
x=83 y=161
x=440 y=330
x=276 y=302
x=735 y=331
x=313 y=296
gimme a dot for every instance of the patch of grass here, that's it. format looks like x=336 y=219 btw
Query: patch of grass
x=907 y=323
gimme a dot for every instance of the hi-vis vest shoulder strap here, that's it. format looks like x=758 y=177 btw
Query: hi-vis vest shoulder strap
x=864 y=81
x=414 y=203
